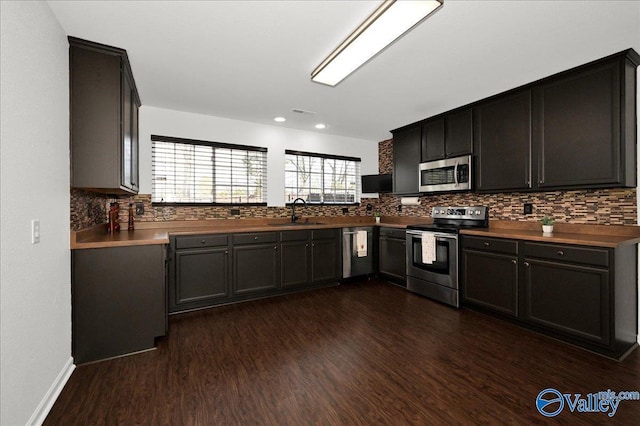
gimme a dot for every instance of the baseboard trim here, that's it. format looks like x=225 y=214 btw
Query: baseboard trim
x=41 y=412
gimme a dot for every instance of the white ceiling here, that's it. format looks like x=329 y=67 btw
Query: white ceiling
x=252 y=60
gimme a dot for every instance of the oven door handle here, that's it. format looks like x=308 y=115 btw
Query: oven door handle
x=436 y=234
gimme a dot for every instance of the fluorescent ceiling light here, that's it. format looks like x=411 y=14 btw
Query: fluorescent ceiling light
x=280 y=119
x=320 y=126
x=390 y=21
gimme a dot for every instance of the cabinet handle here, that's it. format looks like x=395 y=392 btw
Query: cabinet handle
x=514 y=261
x=486 y=244
x=202 y=241
x=306 y=245
x=255 y=238
x=275 y=247
x=560 y=253
x=526 y=264
x=226 y=252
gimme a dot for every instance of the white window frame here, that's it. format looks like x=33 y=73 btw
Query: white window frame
x=322 y=178
x=195 y=172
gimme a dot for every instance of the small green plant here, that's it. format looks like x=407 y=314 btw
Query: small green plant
x=547 y=220
x=377 y=214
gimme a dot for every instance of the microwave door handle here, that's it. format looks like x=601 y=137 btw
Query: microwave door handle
x=455 y=173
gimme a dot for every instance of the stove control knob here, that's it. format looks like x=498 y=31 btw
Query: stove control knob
x=470 y=212
x=477 y=211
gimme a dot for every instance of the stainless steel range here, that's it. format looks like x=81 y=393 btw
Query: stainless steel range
x=432 y=251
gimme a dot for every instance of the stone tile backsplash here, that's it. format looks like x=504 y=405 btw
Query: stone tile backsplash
x=601 y=206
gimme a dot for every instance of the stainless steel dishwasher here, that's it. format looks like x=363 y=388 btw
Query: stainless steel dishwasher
x=356 y=260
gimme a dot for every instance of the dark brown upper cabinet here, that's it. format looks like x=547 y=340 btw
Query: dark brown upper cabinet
x=576 y=129
x=585 y=132
x=502 y=143
x=104 y=119
x=406 y=158
x=447 y=136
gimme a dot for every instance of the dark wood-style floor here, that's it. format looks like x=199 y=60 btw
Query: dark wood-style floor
x=358 y=354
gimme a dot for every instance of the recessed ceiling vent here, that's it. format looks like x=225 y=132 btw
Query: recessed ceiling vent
x=302 y=111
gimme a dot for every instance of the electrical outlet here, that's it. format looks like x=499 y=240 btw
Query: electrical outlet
x=399 y=207
x=345 y=210
x=369 y=207
x=139 y=209
x=528 y=208
x=35 y=231
x=235 y=212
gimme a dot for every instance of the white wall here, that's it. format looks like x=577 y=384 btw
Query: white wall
x=276 y=139
x=35 y=290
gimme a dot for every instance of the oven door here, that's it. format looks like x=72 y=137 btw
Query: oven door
x=444 y=270
x=451 y=174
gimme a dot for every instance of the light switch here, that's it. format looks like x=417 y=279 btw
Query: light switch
x=35 y=231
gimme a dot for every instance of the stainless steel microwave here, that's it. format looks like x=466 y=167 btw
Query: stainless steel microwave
x=451 y=174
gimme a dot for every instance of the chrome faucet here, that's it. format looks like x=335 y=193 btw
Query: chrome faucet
x=293 y=209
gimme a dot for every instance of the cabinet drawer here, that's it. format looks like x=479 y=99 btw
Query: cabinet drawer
x=321 y=234
x=497 y=245
x=588 y=256
x=392 y=233
x=255 y=238
x=201 y=241
x=294 y=235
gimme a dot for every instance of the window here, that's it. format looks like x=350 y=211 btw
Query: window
x=186 y=171
x=321 y=179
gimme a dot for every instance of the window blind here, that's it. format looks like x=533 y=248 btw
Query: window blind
x=322 y=178
x=187 y=171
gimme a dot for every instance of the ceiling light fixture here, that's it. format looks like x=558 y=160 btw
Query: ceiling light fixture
x=280 y=119
x=320 y=126
x=390 y=21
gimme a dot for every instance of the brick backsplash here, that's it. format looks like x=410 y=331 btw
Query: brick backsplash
x=601 y=206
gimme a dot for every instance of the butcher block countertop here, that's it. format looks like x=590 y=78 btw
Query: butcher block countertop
x=149 y=233
x=563 y=233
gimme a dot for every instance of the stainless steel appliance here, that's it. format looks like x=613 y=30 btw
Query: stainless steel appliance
x=356 y=260
x=437 y=277
x=451 y=174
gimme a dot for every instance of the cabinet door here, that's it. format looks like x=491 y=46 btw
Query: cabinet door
x=255 y=268
x=459 y=133
x=571 y=299
x=433 y=140
x=392 y=260
x=502 y=142
x=127 y=147
x=490 y=281
x=202 y=278
x=325 y=260
x=406 y=159
x=294 y=264
x=579 y=129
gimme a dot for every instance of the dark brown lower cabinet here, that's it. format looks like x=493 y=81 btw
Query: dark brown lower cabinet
x=119 y=301
x=571 y=299
x=392 y=260
x=255 y=268
x=490 y=274
x=325 y=256
x=295 y=259
x=199 y=271
x=214 y=269
x=586 y=296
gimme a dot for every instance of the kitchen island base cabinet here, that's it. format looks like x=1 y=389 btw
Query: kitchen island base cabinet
x=119 y=302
